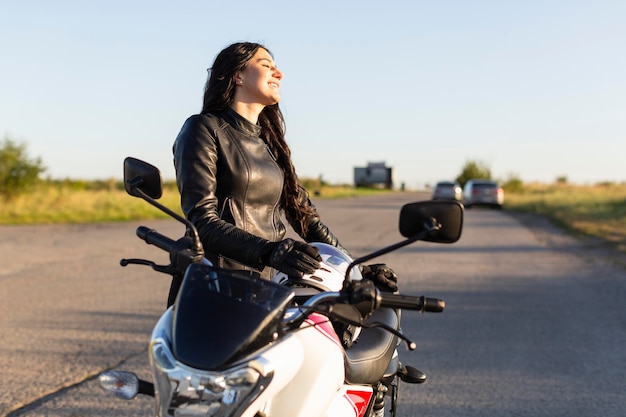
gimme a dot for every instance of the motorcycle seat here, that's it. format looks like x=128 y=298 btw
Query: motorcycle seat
x=367 y=359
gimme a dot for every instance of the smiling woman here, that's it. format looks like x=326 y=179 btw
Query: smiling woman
x=258 y=85
x=234 y=169
x=235 y=173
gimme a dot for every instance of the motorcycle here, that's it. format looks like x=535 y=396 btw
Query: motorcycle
x=233 y=344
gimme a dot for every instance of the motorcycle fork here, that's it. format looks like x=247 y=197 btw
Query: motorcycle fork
x=394 y=397
x=388 y=387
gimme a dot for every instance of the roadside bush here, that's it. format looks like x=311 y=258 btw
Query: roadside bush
x=18 y=172
x=473 y=169
x=513 y=184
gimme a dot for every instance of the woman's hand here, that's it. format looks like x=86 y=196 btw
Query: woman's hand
x=383 y=276
x=292 y=257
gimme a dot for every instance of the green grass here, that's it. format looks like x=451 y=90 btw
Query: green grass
x=591 y=210
x=61 y=203
x=79 y=202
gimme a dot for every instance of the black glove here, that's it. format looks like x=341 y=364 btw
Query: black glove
x=292 y=257
x=383 y=276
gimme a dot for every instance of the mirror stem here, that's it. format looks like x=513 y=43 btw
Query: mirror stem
x=197 y=245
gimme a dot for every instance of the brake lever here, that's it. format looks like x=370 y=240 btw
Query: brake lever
x=409 y=343
x=166 y=269
x=363 y=295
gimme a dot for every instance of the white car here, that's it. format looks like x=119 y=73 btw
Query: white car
x=447 y=190
x=483 y=192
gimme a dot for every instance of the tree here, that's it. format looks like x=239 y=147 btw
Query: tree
x=473 y=169
x=18 y=172
x=513 y=183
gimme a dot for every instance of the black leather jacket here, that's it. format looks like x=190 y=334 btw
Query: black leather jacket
x=230 y=187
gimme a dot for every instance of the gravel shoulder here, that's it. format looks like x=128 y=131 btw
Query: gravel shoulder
x=556 y=237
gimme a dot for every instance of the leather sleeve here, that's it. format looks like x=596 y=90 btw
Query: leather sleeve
x=195 y=160
x=317 y=230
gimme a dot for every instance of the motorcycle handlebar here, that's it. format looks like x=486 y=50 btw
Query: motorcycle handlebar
x=408 y=302
x=152 y=237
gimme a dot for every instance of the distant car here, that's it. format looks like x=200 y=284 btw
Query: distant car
x=483 y=192
x=447 y=190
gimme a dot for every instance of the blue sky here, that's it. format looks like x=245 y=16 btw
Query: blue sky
x=534 y=89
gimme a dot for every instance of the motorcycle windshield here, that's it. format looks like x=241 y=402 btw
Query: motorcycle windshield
x=221 y=315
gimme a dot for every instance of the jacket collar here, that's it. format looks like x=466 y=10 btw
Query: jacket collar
x=241 y=123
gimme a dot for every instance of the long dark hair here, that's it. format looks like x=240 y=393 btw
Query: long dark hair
x=219 y=92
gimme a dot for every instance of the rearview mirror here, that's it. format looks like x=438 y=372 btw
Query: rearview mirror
x=449 y=214
x=140 y=175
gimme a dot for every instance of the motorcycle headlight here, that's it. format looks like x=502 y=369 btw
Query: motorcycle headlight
x=187 y=392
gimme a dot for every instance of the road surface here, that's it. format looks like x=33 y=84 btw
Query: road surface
x=535 y=323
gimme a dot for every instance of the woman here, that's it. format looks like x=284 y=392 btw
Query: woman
x=235 y=175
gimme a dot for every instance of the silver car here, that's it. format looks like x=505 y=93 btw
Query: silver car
x=447 y=190
x=483 y=192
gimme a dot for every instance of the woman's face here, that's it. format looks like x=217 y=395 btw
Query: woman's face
x=259 y=82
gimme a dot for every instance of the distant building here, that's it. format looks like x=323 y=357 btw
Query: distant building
x=375 y=174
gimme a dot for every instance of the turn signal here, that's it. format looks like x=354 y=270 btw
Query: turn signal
x=122 y=384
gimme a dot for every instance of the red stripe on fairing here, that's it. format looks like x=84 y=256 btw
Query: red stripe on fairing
x=359 y=399
x=322 y=324
x=355 y=409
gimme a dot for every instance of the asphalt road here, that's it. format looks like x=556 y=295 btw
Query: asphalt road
x=535 y=323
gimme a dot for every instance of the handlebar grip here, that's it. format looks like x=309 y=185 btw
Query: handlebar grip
x=152 y=237
x=409 y=302
x=433 y=305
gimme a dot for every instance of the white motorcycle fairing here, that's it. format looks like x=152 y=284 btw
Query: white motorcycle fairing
x=205 y=379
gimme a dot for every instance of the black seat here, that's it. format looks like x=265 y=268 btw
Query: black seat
x=366 y=361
